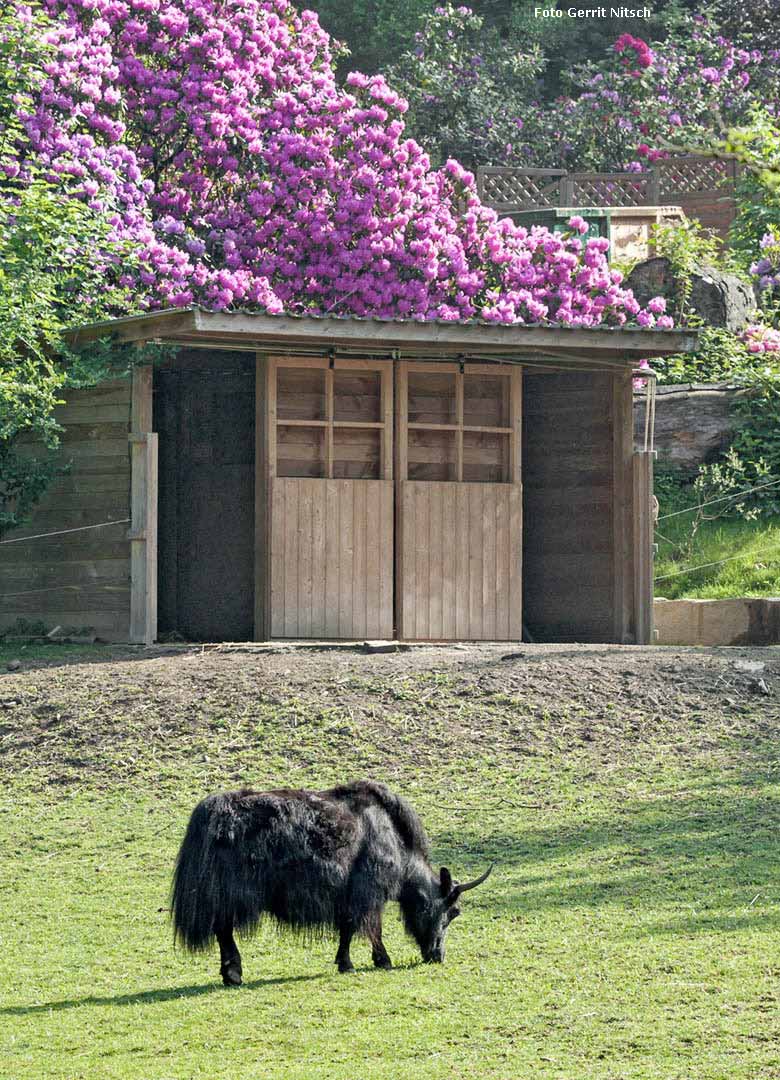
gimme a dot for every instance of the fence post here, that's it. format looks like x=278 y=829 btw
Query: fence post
x=643 y=546
x=654 y=187
x=566 y=191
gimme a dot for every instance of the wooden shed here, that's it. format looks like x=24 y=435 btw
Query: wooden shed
x=343 y=478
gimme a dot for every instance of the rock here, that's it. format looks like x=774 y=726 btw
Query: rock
x=694 y=423
x=753 y=667
x=719 y=298
x=13 y=665
x=380 y=646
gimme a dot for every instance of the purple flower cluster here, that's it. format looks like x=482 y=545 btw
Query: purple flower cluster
x=214 y=137
x=766 y=269
x=640 y=96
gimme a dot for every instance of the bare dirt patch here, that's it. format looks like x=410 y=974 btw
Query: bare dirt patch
x=130 y=712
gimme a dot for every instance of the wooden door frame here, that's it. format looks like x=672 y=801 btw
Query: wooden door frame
x=267 y=366
x=514 y=374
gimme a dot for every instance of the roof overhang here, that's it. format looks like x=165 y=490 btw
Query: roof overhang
x=194 y=327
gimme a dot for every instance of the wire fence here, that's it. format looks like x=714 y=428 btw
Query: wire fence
x=63 y=532
x=721 y=498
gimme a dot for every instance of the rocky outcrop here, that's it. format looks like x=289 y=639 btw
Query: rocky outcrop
x=693 y=423
x=720 y=299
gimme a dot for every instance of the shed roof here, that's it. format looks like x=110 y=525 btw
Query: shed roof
x=249 y=330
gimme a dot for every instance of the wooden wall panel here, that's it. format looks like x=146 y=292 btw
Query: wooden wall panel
x=570 y=458
x=460 y=561
x=78 y=579
x=331 y=558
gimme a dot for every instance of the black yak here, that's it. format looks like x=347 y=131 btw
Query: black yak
x=314 y=861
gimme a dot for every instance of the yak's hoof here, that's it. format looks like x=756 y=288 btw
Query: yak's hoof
x=231 y=975
x=345 y=966
x=383 y=962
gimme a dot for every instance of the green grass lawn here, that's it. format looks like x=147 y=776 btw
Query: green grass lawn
x=751 y=550
x=631 y=927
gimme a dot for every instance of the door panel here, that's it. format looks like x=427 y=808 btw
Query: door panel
x=459 y=565
x=331 y=539
x=459 y=502
x=332 y=558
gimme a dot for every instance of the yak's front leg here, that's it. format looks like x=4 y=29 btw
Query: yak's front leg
x=229 y=957
x=346 y=933
x=378 y=950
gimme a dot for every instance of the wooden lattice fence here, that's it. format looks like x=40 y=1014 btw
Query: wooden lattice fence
x=703 y=187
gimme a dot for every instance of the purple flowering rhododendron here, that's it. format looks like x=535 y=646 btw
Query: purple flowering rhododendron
x=214 y=137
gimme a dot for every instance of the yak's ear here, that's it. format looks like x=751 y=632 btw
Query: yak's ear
x=445 y=879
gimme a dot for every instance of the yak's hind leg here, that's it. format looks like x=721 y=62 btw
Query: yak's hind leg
x=378 y=950
x=229 y=957
x=346 y=933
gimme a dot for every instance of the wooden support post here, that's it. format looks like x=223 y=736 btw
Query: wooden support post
x=143 y=512
x=143 y=538
x=263 y=436
x=643 y=546
x=622 y=479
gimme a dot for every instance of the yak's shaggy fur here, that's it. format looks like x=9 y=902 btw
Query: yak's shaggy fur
x=312 y=860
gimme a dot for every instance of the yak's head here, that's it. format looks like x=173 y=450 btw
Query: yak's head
x=428 y=906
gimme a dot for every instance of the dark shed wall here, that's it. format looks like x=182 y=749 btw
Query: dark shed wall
x=81 y=579
x=204 y=414
x=568 y=538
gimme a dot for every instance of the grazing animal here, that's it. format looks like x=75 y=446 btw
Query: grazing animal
x=314 y=861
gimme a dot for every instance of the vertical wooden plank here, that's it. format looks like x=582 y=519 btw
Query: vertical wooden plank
x=318 y=558
x=271 y=370
x=358 y=628
x=451 y=546
x=150 y=628
x=515 y=616
x=292 y=539
x=406 y=566
x=473 y=524
x=462 y=597
x=516 y=423
x=374 y=559
x=332 y=557
x=346 y=559
x=141 y=405
x=422 y=554
x=387 y=541
x=386 y=451
x=329 y=428
x=488 y=562
x=278 y=498
x=435 y=494
x=643 y=546
x=305 y=568
x=143 y=510
x=503 y=541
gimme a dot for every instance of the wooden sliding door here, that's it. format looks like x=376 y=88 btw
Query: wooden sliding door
x=330 y=498
x=458 y=571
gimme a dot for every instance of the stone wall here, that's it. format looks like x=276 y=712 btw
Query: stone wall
x=693 y=423
x=737 y=621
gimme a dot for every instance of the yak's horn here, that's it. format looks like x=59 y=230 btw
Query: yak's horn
x=466 y=885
